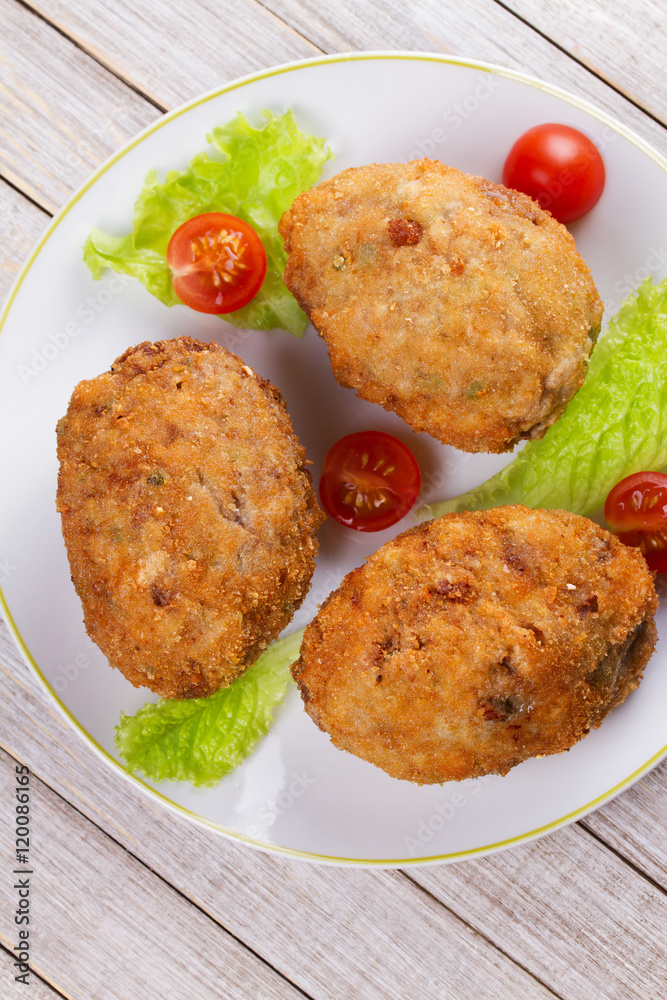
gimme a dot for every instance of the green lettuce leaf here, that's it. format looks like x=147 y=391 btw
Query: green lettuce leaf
x=201 y=739
x=614 y=426
x=255 y=174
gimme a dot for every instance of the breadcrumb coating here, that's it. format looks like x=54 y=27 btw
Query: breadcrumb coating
x=475 y=641
x=187 y=512
x=457 y=303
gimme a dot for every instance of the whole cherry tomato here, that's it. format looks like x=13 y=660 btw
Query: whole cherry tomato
x=557 y=166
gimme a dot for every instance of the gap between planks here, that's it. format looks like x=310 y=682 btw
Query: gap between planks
x=621 y=857
x=584 y=65
x=190 y=901
x=91 y=55
x=384 y=909
x=582 y=824
x=489 y=43
x=481 y=933
x=616 y=39
x=40 y=988
x=24 y=194
x=44 y=788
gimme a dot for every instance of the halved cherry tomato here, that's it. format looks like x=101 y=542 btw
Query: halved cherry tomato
x=217 y=262
x=557 y=166
x=370 y=480
x=636 y=511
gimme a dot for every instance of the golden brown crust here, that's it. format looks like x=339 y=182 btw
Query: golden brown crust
x=473 y=642
x=457 y=303
x=187 y=513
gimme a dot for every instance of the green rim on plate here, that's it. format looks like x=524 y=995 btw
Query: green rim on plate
x=55 y=222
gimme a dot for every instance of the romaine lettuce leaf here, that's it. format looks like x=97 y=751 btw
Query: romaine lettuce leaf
x=615 y=425
x=255 y=174
x=202 y=739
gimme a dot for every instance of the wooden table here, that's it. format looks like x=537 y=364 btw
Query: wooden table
x=129 y=900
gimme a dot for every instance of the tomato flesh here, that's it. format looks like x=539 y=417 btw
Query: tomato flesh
x=217 y=262
x=369 y=481
x=557 y=166
x=636 y=511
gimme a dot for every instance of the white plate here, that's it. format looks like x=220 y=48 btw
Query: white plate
x=296 y=793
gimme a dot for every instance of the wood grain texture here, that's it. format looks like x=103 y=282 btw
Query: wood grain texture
x=634 y=824
x=90 y=897
x=21 y=225
x=217 y=41
x=332 y=931
x=63 y=114
x=11 y=990
x=145 y=903
x=52 y=143
x=577 y=916
x=625 y=46
x=477 y=29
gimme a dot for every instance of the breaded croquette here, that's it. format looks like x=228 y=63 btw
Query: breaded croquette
x=187 y=512
x=473 y=642
x=459 y=304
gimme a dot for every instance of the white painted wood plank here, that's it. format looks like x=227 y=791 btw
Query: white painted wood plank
x=301 y=904
x=489 y=893
x=216 y=42
x=622 y=42
x=12 y=990
x=578 y=917
x=89 y=897
x=21 y=225
x=288 y=894
x=62 y=113
x=635 y=824
x=476 y=29
x=66 y=113
x=334 y=932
